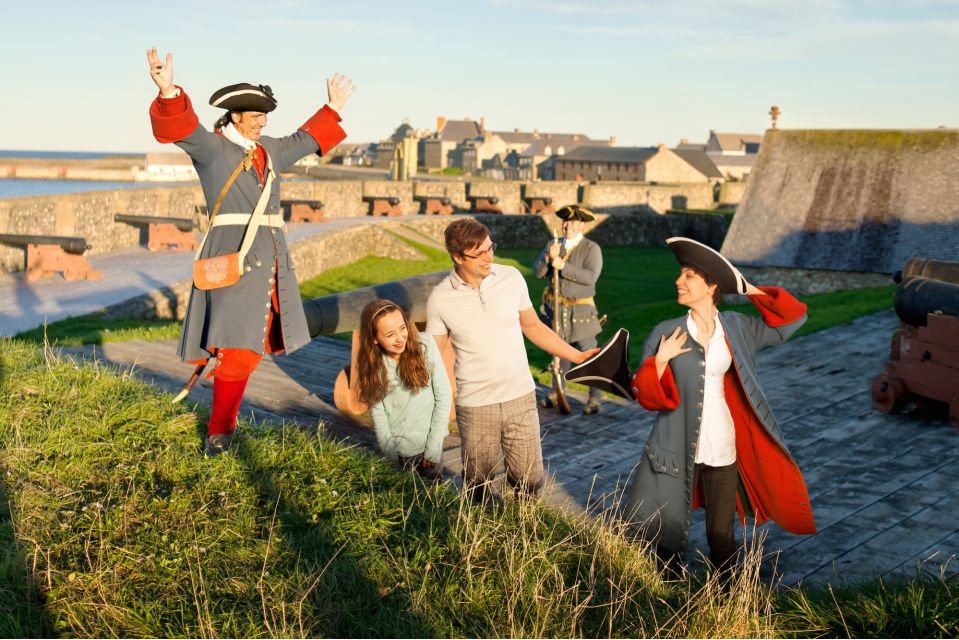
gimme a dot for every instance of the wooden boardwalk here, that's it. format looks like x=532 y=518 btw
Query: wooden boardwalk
x=884 y=488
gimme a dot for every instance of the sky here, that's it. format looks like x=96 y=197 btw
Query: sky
x=75 y=75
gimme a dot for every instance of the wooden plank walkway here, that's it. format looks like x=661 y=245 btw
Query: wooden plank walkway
x=884 y=488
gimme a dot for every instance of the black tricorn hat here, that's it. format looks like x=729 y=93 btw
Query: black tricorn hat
x=244 y=97
x=709 y=261
x=575 y=212
x=609 y=369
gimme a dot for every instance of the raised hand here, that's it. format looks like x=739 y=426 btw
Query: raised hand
x=161 y=72
x=339 y=88
x=671 y=347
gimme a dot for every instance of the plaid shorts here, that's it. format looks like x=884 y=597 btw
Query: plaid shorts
x=506 y=432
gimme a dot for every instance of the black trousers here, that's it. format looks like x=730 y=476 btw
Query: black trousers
x=719 y=490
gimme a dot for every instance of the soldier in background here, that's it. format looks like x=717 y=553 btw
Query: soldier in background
x=579 y=261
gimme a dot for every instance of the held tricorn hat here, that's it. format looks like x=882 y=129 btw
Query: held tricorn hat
x=244 y=97
x=575 y=212
x=709 y=261
x=607 y=370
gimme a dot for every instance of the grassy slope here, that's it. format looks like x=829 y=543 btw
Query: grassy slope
x=128 y=531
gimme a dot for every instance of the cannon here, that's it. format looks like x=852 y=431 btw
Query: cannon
x=435 y=205
x=164 y=233
x=539 y=205
x=384 y=205
x=923 y=364
x=340 y=312
x=935 y=269
x=484 y=204
x=304 y=210
x=46 y=255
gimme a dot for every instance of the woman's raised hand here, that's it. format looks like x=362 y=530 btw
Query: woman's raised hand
x=339 y=88
x=671 y=347
x=161 y=72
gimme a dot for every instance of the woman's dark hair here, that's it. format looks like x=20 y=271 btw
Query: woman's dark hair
x=717 y=296
x=222 y=121
x=411 y=368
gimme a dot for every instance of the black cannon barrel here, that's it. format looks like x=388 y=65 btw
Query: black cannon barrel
x=340 y=312
x=183 y=224
x=934 y=269
x=71 y=245
x=919 y=296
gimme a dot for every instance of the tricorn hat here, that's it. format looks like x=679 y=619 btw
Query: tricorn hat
x=244 y=97
x=609 y=369
x=575 y=212
x=709 y=261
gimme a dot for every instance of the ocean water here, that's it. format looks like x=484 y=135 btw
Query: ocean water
x=64 y=155
x=15 y=187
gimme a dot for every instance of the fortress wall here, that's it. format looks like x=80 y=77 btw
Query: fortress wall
x=731 y=193
x=562 y=193
x=627 y=197
x=401 y=190
x=853 y=200
x=507 y=192
x=452 y=189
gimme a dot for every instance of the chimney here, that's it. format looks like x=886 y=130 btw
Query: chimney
x=440 y=123
x=483 y=124
x=684 y=141
x=612 y=141
x=660 y=147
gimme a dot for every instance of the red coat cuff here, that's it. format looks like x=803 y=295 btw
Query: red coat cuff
x=173 y=119
x=654 y=393
x=325 y=129
x=778 y=307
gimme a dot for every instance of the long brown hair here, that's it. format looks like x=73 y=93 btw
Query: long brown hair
x=411 y=368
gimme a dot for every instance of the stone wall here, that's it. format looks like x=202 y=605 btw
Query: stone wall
x=731 y=193
x=507 y=192
x=90 y=215
x=455 y=190
x=627 y=197
x=853 y=200
x=641 y=230
x=562 y=193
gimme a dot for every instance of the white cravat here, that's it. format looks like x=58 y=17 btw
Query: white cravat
x=233 y=135
x=570 y=243
x=717 y=434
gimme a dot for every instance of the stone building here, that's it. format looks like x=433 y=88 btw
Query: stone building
x=625 y=164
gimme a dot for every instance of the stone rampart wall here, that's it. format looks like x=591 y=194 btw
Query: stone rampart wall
x=90 y=214
x=628 y=197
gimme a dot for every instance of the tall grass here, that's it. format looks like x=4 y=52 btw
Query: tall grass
x=119 y=527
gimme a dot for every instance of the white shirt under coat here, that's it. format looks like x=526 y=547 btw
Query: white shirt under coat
x=717 y=434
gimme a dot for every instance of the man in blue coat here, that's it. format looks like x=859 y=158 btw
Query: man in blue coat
x=262 y=312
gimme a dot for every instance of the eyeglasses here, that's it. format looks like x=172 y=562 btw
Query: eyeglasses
x=480 y=254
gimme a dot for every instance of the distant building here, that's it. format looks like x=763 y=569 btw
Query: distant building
x=435 y=150
x=625 y=164
x=701 y=161
x=162 y=166
x=733 y=153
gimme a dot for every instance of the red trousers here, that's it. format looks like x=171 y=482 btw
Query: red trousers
x=232 y=371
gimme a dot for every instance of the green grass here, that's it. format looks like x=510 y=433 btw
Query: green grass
x=113 y=524
x=95 y=328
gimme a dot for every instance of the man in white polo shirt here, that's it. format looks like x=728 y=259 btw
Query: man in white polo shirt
x=484 y=308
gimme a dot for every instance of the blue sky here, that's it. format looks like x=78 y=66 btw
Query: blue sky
x=646 y=72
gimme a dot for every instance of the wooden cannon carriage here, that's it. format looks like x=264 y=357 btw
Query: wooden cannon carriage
x=923 y=365
x=46 y=255
x=164 y=233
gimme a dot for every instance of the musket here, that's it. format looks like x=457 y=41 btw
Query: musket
x=559 y=385
x=185 y=391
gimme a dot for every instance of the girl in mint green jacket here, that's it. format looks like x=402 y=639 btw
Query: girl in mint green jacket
x=404 y=383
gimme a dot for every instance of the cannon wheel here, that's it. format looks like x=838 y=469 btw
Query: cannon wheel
x=888 y=393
